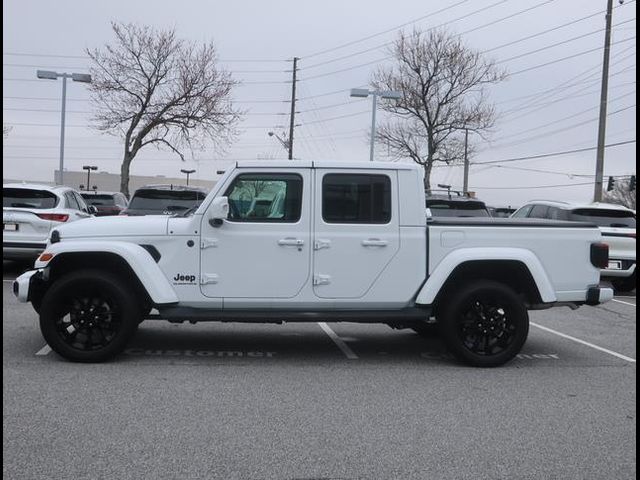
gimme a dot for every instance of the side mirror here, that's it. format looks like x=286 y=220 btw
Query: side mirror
x=92 y=210
x=218 y=211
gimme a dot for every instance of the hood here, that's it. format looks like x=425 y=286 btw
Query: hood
x=115 y=226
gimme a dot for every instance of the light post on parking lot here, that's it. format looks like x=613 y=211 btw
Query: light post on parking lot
x=88 y=168
x=76 y=77
x=187 y=172
x=364 y=93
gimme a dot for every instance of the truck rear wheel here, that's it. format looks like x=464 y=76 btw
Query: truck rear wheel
x=484 y=324
x=89 y=316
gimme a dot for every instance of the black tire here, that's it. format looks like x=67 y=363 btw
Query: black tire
x=621 y=285
x=484 y=324
x=89 y=316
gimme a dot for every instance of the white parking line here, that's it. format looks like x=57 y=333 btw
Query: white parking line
x=620 y=301
x=338 y=341
x=44 y=350
x=4 y=280
x=569 y=337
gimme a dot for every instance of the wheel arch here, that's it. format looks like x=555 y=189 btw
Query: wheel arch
x=130 y=262
x=519 y=270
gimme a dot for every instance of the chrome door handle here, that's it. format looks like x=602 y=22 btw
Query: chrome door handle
x=374 y=242
x=291 y=242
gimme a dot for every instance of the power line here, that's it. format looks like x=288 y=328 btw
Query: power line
x=493 y=22
x=582 y=112
x=567 y=83
x=557 y=131
x=543 y=32
x=526 y=187
x=554 y=154
x=579 y=54
x=86 y=57
x=53 y=110
x=348 y=44
x=538 y=170
x=57 y=99
x=338 y=117
x=88 y=126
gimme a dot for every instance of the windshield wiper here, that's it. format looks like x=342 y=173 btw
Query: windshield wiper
x=188 y=211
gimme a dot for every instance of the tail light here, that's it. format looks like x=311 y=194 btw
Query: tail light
x=600 y=255
x=54 y=217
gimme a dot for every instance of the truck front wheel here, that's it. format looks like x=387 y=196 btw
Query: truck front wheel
x=89 y=316
x=484 y=324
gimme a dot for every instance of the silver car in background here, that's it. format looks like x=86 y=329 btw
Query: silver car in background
x=31 y=211
x=617 y=225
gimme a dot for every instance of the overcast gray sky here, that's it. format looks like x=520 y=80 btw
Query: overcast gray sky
x=544 y=109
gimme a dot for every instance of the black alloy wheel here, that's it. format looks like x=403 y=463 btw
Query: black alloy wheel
x=89 y=315
x=485 y=323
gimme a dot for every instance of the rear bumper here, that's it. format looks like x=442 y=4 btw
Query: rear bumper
x=628 y=269
x=600 y=294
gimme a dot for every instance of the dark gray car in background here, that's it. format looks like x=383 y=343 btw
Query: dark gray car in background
x=164 y=200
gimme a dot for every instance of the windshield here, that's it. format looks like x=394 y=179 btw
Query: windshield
x=28 y=198
x=458 y=209
x=99 y=200
x=605 y=218
x=166 y=200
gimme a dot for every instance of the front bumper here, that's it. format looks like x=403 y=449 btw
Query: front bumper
x=24 y=284
x=600 y=294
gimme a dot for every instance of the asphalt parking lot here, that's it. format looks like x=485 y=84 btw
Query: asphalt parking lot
x=323 y=401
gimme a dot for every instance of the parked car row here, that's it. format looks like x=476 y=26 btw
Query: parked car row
x=31 y=211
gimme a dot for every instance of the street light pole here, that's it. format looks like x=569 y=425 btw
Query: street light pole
x=602 y=125
x=374 y=106
x=76 y=77
x=188 y=172
x=465 y=181
x=363 y=93
x=88 y=168
x=62 y=115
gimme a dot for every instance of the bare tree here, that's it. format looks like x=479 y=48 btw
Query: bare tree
x=622 y=194
x=443 y=85
x=151 y=88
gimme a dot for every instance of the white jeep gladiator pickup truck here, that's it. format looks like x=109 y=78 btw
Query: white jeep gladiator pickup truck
x=307 y=241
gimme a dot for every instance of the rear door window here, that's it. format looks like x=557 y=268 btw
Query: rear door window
x=605 y=218
x=356 y=198
x=28 y=198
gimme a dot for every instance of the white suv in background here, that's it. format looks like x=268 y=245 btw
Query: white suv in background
x=617 y=225
x=31 y=211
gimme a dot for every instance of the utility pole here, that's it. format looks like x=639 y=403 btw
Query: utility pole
x=602 y=126
x=465 y=181
x=293 y=107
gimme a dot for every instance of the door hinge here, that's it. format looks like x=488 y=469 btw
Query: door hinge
x=321 y=279
x=321 y=243
x=208 y=242
x=207 y=278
